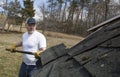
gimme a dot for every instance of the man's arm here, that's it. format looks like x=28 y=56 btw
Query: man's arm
x=42 y=49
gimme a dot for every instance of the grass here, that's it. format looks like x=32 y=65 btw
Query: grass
x=10 y=62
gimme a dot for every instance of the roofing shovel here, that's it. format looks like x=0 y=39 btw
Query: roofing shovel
x=19 y=51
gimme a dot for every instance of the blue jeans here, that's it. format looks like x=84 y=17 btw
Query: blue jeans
x=26 y=70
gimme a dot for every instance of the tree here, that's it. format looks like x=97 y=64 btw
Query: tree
x=13 y=9
x=28 y=10
x=76 y=16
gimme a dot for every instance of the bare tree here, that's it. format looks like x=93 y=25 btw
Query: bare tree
x=76 y=16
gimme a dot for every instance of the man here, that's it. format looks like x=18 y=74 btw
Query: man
x=32 y=41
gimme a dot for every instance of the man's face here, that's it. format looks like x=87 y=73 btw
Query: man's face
x=31 y=28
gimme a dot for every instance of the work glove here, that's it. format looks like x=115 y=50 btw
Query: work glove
x=37 y=54
x=12 y=48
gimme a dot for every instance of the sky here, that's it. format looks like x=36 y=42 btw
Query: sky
x=37 y=3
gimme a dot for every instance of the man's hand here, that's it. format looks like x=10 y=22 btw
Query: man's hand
x=12 y=48
x=37 y=54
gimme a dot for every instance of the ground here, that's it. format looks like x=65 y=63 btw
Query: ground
x=10 y=62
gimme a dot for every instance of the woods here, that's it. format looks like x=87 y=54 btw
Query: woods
x=68 y=16
x=76 y=16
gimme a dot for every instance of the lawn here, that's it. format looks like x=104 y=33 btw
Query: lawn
x=10 y=62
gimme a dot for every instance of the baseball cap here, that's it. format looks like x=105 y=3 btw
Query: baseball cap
x=31 y=21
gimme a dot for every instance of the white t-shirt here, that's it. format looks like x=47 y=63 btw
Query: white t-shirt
x=32 y=43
